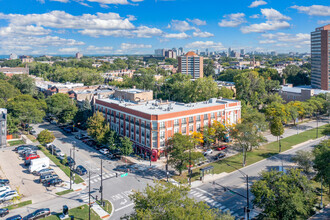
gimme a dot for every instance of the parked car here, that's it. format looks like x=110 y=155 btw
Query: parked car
x=70 y=162
x=47 y=177
x=91 y=143
x=4 y=189
x=20 y=148
x=104 y=151
x=208 y=151
x=15 y=217
x=222 y=147
x=4 y=212
x=8 y=195
x=40 y=213
x=53 y=182
x=80 y=136
x=44 y=172
x=33 y=132
x=219 y=156
x=81 y=170
x=85 y=138
x=4 y=181
x=32 y=156
x=49 y=146
x=53 y=122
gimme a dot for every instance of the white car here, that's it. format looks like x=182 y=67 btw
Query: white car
x=4 y=189
x=8 y=195
x=104 y=151
x=208 y=151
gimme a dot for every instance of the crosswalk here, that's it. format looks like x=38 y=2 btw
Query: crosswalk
x=97 y=178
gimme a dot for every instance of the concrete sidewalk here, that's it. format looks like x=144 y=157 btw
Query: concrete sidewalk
x=100 y=212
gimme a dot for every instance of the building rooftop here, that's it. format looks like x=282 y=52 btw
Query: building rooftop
x=299 y=88
x=133 y=91
x=191 y=53
x=157 y=107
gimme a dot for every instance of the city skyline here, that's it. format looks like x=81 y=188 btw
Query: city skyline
x=140 y=27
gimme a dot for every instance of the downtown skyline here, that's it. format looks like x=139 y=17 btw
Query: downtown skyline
x=140 y=27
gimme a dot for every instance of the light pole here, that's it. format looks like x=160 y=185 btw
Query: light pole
x=70 y=166
x=321 y=204
x=101 y=188
x=89 y=195
x=189 y=170
x=317 y=125
x=247 y=210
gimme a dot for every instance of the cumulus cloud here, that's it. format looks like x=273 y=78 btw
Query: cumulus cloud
x=317 y=10
x=13 y=30
x=181 y=26
x=323 y=21
x=177 y=35
x=257 y=3
x=284 y=39
x=255 y=16
x=205 y=44
x=275 y=21
x=68 y=50
x=232 y=20
x=202 y=34
x=267 y=41
x=98 y=50
x=197 y=21
x=129 y=46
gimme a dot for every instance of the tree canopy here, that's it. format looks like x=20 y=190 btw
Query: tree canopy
x=61 y=106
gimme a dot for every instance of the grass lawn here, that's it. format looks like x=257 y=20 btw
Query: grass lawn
x=64 y=192
x=65 y=169
x=325 y=195
x=16 y=142
x=19 y=205
x=31 y=137
x=107 y=207
x=79 y=213
x=254 y=156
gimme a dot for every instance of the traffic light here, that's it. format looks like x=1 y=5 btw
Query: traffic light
x=116 y=174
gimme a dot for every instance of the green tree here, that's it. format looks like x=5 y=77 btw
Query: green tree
x=166 y=201
x=27 y=109
x=226 y=93
x=45 y=137
x=304 y=159
x=322 y=162
x=110 y=138
x=24 y=83
x=126 y=146
x=284 y=196
x=326 y=130
x=83 y=114
x=277 y=129
x=97 y=127
x=61 y=106
x=12 y=124
x=209 y=69
x=7 y=91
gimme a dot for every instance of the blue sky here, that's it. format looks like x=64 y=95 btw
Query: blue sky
x=141 y=26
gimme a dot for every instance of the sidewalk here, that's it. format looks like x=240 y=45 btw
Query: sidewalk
x=103 y=214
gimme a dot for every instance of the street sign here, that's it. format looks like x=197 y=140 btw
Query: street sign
x=124 y=174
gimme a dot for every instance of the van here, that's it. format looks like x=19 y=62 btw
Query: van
x=39 y=164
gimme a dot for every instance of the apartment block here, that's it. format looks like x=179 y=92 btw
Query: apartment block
x=191 y=64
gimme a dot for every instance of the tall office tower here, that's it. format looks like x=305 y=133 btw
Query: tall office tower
x=320 y=40
x=207 y=51
x=191 y=64
x=170 y=54
x=242 y=51
x=3 y=127
x=181 y=52
x=79 y=55
x=229 y=52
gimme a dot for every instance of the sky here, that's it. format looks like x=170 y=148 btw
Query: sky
x=37 y=27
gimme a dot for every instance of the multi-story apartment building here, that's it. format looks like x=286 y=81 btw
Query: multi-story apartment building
x=320 y=52
x=3 y=127
x=191 y=64
x=149 y=124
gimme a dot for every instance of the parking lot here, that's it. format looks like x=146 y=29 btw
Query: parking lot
x=12 y=167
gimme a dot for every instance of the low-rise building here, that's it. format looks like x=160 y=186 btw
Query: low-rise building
x=26 y=59
x=301 y=93
x=10 y=71
x=149 y=124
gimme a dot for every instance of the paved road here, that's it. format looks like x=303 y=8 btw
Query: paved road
x=214 y=195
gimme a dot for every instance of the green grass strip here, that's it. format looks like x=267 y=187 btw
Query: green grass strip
x=19 y=205
x=16 y=142
x=64 y=192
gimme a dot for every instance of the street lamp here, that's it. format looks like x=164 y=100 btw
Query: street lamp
x=279 y=143
x=247 y=209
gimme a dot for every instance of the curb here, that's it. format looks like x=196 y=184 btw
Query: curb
x=112 y=210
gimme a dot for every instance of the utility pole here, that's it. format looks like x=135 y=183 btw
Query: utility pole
x=321 y=205
x=70 y=166
x=317 y=126
x=189 y=170
x=89 y=195
x=101 y=188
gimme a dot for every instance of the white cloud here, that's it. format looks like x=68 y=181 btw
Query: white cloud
x=131 y=17
x=232 y=20
x=275 y=21
x=181 y=26
x=197 y=21
x=29 y=30
x=281 y=39
x=267 y=41
x=255 y=16
x=64 y=1
x=318 y=10
x=68 y=50
x=98 y=50
x=323 y=21
x=202 y=34
x=205 y=44
x=177 y=35
x=128 y=47
x=272 y=14
x=146 y=32
x=108 y=2
x=257 y=3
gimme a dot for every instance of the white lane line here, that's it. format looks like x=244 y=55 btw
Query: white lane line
x=198 y=195
x=226 y=210
x=204 y=191
x=95 y=176
x=92 y=181
x=217 y=205
x=193 y=192
x=106 y=176
x=222 y=207
x=207 y=200
x=203 y=197
x=124 y=207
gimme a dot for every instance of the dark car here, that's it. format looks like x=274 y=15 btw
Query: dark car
x=44 y=172
x=67 y=130
x=15 y=217
x=81 y=170
x=219 y=156
x=40 y=213
x=70 y=162
x=53 y=182
x=3 y=212
x=4 y=181
x=45 y=178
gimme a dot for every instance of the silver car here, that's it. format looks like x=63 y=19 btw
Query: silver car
x=8 y=195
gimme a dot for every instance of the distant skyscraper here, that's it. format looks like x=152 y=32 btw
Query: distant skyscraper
x=229 y=52
x=79 y=55
x=207 y=51
x=170 y=54
x=191 y=64
x=13 y=56
x=273 y=53
x=242 y=52
x=197 y=52
x=320 y=52
x=181 y=52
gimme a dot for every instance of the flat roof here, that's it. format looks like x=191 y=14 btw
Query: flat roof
x=299 y=88
x=155 y=107
x=135 y=91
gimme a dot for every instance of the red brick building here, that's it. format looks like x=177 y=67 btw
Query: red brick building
x=150 y=123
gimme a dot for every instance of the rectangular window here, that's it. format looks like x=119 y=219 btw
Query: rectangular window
x=176 y=122
x=184 y=121
x=205 y=117
x=162 y=134
x=154 y=125
x=176 y=130
x=191 y=128
x=184 y=130
x=191 y=119
x=162 y=124
x=198 y=118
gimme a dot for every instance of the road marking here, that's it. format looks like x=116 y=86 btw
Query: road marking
x=194 y=192
x=92 y=181
x=203 y=197
x=124 y=207
x=99 y=178
x=217 y=205
x=222 y=207
x=95 y=176
x=204 y=191
x=106 y=176
x=226 y=210
x=198 y=195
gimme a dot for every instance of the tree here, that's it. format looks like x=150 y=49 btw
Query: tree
x=209 y=136
x=110 y=138
x=209 y=69
x=322 y=162
x=24 y=83
x=197 y=138
x=226 y=93
x=220 y=130
x=7 y=91
x=304 y=159
x=277 y=129
x=326 y=130
x=167 y=201
x=27 y=109
x=83 y=114
x=284 y=196
x=12 y=124
x=126 y=146
x=61 y=106
x=96 y=127
x=45 y=137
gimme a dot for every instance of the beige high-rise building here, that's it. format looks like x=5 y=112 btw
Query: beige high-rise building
x=191 y=64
